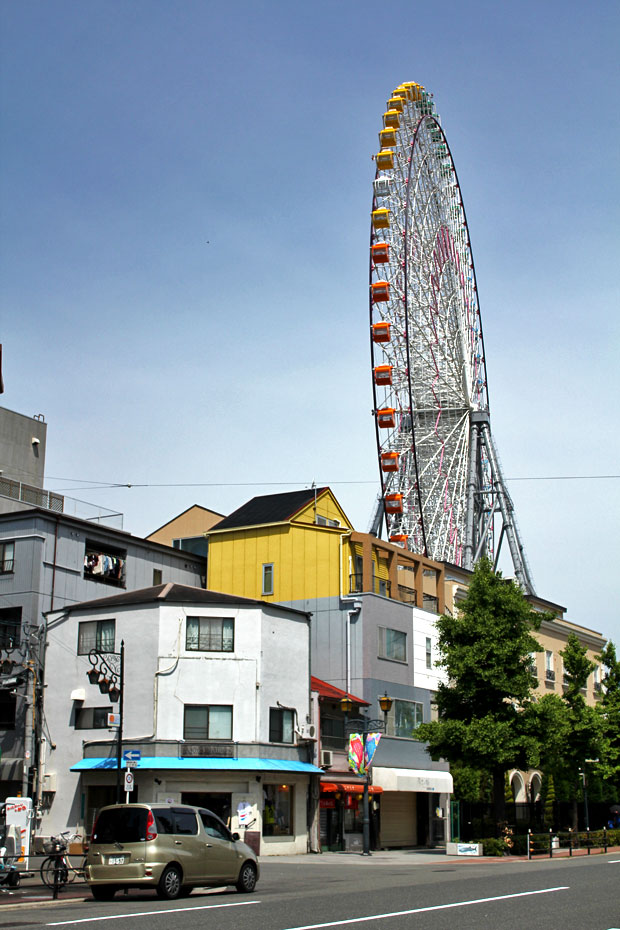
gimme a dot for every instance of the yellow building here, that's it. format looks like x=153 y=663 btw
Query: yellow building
x=301 y=546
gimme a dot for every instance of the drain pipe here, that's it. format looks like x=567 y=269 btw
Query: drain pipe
x=350 y=613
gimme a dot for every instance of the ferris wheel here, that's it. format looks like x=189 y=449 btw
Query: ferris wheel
x=442 y=490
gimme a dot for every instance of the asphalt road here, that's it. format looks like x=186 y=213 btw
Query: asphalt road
x=368 y=894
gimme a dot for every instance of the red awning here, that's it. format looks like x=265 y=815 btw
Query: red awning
x=349 y=787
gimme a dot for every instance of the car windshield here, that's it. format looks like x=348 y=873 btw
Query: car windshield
x=121 y=825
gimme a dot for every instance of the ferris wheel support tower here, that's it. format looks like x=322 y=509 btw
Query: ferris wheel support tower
x=443 y=493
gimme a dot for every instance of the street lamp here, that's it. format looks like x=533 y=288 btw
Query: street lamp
x=364 y=726
x=108 y=673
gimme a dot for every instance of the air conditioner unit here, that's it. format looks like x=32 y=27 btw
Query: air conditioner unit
x=307 y=731
x=326 y=758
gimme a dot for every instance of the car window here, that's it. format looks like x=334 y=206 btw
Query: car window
x=213 y=827
x=185 y=822
x=120 y=825
x=164 y=820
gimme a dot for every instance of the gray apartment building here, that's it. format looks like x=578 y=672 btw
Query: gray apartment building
x=51 y=557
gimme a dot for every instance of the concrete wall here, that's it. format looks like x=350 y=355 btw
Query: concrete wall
x=20 y=458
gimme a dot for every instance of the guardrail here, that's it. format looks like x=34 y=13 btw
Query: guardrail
x=574 y=841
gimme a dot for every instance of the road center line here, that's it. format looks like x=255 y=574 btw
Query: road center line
x=422 y=910
x=160 y=913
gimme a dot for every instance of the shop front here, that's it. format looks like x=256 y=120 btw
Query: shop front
x=414 y=807
x=342 y=815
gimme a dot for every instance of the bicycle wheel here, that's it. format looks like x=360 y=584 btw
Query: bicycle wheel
x=51 y=872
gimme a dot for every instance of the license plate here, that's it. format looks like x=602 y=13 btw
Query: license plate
x=116 y=860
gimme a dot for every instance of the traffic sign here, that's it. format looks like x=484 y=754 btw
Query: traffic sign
x=129 y=777
x=132 y=755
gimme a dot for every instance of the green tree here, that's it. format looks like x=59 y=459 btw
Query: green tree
x=547 y=793
x=608 y=712
x=582 y=740
x=485 y=718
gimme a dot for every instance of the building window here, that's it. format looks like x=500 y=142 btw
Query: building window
x=92 y=718
x=7 y=557
x=597 y=679
x=197 y=545
x=404 y=718
x=278 y=810
x=392 y=644
x=158 y=576
x=103 y=563
x=268 y=578
x=324 y=521
x=210 y=634
x=549 y=670
x=8 y=706
x=281 y=725
x=429 y=660
x=10 y=627
x=207 y=721
x=96 y=634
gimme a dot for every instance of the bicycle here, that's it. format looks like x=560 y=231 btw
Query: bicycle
x=58 y=870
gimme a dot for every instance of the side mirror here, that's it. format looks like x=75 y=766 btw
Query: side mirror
x=236 y=837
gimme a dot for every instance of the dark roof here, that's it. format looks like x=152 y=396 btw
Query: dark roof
x=174 y=594
x=270 y=508
x=332 y=693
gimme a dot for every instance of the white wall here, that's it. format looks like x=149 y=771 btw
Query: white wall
x=423 y=627
x=270 y=664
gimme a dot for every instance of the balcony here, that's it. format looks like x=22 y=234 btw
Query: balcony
x=407 y=595
x=549 y=675
x=379 y=586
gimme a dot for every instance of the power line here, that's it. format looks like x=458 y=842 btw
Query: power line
x=109 y=485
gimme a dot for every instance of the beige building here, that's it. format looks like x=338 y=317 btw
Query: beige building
x=187 y=530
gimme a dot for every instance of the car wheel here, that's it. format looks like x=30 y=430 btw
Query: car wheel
x=103 y=892
x=170 y=883
x=247 y=877
x=13 y=879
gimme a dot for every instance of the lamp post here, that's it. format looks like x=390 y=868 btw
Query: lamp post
x=364 y=726
x=108 y=672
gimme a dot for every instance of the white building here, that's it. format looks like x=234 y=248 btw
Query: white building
x=216 y=699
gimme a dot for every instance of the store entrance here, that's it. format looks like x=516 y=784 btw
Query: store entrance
x=219 y=802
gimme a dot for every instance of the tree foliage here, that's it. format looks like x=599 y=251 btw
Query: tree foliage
x=485 y=710
x=608 y=713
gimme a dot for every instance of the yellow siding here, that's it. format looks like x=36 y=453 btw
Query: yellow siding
x=326 y=506
x=305 y=561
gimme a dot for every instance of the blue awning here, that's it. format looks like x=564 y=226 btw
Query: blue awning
x=170 y=764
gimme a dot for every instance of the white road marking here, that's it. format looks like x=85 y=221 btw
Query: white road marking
x=160 y=913
x=422 y=910
x=610 y=861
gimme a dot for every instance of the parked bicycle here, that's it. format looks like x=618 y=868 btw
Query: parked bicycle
x=58 y=870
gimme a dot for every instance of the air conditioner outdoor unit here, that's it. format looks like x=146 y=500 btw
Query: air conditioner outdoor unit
x=326 y=757
x=308 y=731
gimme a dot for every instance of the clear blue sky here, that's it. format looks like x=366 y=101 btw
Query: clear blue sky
x=186 y=191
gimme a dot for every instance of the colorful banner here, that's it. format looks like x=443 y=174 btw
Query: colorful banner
x=356 y=754
x=372 y=741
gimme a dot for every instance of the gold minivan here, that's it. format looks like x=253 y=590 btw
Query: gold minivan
x=169 y=847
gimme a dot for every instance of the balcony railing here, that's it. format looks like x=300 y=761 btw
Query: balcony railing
x=549 y=674
x=407 y=595
x=380 y=586
x=29 y=494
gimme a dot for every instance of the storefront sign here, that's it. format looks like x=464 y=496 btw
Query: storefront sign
x=327 y=804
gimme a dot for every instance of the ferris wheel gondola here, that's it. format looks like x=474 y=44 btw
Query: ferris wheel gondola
x=441 y=484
